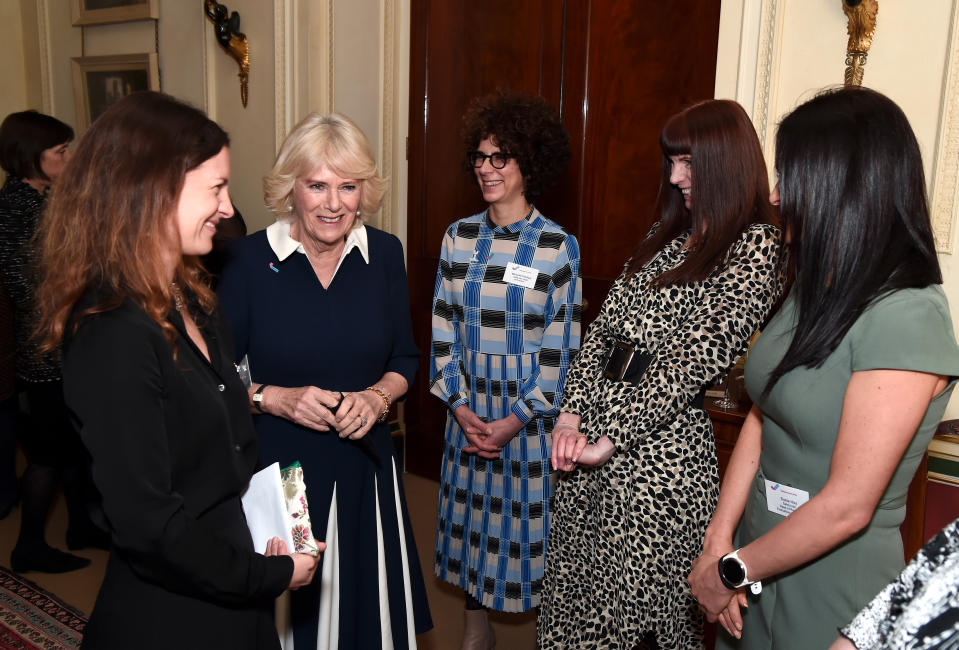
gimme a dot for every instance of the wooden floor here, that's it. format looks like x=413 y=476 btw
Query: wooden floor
x=513 y=631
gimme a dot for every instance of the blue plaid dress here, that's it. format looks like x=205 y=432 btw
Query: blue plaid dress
x=501 y=348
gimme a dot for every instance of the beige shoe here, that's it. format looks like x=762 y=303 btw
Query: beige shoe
x=478 y=632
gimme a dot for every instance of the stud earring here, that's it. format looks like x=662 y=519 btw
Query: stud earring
x=357 y=213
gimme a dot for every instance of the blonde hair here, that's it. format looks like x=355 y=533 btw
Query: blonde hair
x=333 y=141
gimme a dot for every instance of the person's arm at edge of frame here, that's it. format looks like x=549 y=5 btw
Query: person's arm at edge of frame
x=881 y=412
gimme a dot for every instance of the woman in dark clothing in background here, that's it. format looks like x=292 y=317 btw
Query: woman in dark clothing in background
x=34 y=149
x=9 y=488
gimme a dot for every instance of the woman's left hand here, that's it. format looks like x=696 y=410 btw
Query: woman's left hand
x=597 y=453
x=731 y=618
x=357 y=414
x=570 y=449
x=708 y=589
x=568 y=444
x=497 y=434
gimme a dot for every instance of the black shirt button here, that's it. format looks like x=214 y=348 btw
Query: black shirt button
x=221 y=388
x=238 y=448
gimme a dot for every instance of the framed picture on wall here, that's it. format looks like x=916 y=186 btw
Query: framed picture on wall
x=98 y=81
x=97 y=12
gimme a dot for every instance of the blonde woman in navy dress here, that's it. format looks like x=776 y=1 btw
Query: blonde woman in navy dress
x=506 y=322
x=319 y=305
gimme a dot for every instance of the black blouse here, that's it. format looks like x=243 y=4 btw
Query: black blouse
x=20 y=210
x=173 y=448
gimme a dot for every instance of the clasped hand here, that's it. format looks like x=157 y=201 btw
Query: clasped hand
x=717 y=602
x=486 y=439
x=571 y=449
x=304 y=564
x=355 y=413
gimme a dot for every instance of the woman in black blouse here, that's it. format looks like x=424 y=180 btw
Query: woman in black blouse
x=149 y=378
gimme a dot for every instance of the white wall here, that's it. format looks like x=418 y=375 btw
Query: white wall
x=13 y=83
x=773 y=54
x=344 y=55
x=252 y=129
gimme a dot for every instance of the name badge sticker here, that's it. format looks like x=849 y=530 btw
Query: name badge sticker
x=782 y=499
x=525 y=276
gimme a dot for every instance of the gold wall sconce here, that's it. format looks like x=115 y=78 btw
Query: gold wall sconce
x=861 y=26
x=229 y=36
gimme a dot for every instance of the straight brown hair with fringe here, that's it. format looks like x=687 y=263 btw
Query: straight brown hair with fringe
x=730 y=189
x=109 y=225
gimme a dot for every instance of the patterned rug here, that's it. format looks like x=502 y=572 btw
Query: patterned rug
x=33 y=619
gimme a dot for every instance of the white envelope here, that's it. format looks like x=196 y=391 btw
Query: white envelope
x=265 y=508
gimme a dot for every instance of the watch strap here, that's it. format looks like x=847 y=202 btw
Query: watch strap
x=734 y=556
x=258 y=398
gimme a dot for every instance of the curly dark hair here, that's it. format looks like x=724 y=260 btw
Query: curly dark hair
x=524 y=125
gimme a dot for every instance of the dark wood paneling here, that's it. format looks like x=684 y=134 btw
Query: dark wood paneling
x=644 y=61
x=473 y=49
x=615 y=69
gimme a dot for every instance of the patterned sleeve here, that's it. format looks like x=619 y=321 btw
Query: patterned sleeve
x=17 y=226
x=447 y=376
x=736 y=301
x=540 y=394
x=580 y=384
x=579 y=391
x=919 y=606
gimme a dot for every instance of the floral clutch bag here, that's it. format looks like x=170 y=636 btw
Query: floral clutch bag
x=294 y=492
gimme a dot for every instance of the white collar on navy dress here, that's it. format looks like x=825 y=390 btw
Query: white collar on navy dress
x=278 y=234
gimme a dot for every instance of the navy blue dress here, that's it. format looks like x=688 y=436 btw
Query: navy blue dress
x=342 y=338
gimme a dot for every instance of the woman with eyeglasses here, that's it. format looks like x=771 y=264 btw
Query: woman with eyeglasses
x=506 y=317
x=636 y=446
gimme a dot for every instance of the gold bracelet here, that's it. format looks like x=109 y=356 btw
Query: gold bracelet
x=387 y=400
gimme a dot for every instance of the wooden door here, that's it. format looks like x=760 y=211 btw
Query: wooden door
x=616 y=69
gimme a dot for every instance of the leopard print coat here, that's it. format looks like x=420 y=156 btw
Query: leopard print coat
x=623 y=535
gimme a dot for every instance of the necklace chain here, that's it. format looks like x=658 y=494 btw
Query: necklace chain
x=177 y=296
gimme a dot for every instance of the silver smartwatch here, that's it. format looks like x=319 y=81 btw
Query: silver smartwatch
x=732 y=571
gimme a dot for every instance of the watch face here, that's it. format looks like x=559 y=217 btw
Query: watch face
x=733 y=571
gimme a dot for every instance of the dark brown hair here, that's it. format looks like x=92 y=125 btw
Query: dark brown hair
x=526 y=126
x=109 y=224
x=24 y=136
x=730 y=188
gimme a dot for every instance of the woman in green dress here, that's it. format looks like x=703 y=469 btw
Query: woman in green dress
x=849 y=379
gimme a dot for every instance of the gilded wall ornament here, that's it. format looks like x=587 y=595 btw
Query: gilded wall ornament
x=229 y=36
x=861 y=27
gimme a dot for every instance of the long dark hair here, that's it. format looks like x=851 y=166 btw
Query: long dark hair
x=853 y=205
x=730 y=188
x=109 y=224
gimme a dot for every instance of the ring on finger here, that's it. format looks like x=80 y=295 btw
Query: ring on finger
x=362 y=421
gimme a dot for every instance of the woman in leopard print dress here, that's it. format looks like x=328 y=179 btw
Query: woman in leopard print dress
x=637 y=446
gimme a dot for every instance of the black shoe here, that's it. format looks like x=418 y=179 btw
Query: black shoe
x=89 y=536
x=45 y=559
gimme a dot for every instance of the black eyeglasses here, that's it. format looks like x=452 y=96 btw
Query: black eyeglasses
x=497 y=160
